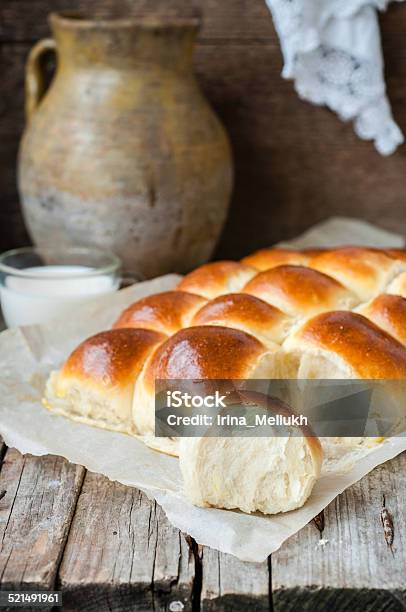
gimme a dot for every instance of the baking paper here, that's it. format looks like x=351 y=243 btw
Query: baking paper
x=28 y=354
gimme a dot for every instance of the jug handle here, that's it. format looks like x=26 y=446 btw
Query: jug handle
x=34 y=75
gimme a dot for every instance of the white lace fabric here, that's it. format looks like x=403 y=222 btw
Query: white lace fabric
x=332 y=50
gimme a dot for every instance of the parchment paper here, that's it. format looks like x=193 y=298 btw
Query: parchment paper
x=28 y=354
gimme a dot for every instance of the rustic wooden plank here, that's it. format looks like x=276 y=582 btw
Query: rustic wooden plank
x=351 y=568
x=122 y=553
x=229 y=584
x=242 y=20
x=12 y=60
x=234 y=19
x=35 y=515
x=237 y=20
x=15 y=24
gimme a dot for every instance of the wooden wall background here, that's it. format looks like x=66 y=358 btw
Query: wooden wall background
x=295 y=164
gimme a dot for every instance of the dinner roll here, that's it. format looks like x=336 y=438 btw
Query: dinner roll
x=165 y=312
x=299 y=291
x=247 y=313
x=389 y=313
x=96 y=383
x=214 y=279
x=199 y=353
x=347 y=345
x=366 y=272
x=341 y=344
x=265 y=259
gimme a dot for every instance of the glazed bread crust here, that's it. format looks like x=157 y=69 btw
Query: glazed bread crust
x=246 y=313
x=96 y=383
x=218 y=278
x=366 y=349
x=265 y=259
x=389 y=313
x=299 y=291
x=166 y=312
x=112 y=357
x=197 y=353
x=366 y=272
x=205 y=352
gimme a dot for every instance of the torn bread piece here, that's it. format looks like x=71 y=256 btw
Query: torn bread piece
x=253 y=474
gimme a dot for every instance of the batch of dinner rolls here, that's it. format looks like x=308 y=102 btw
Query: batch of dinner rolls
x=279 y=313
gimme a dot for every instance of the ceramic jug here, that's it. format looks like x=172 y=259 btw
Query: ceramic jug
x=122 y=151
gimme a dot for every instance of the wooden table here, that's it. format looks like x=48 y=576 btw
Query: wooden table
x=107 y=547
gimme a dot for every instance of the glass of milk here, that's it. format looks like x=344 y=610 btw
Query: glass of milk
x=37 y=284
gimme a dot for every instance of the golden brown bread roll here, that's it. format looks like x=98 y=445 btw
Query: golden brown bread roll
x=204 y=352
x=247 y=313
x=207 y=352
x=389 y=313
x=265 y=259
x=214 y=279
x=299 y=291
x=166 y=312
x=347 y=345
x=366 y=272
x=341 y=344
x=96 y=383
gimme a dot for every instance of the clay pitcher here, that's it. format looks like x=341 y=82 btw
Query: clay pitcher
x=123 y=151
